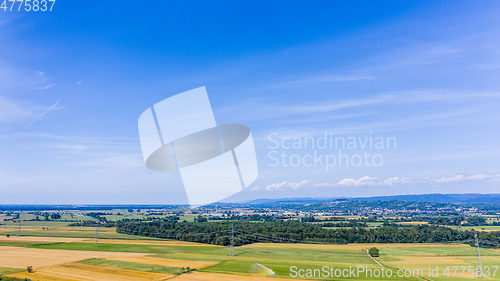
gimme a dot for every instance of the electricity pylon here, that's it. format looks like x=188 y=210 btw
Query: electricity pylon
x=96 y=232
x=479 y=267
x=232 y=239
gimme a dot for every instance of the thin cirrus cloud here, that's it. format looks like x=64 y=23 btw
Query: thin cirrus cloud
x=48 y=86
x=270 y=111
x=462 y=178
x=14 y=78
x=52 y=107
x=11 y=111
x=73 y=147
x=319 y=79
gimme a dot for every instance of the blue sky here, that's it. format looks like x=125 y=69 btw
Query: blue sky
x=74 y=81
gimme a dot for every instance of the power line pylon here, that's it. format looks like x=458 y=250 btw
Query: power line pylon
x=19 y=227
x=96 y=233
x=232 y=239
x=479 y=267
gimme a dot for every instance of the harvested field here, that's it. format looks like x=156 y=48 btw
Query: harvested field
x=147 y=242
x=42 y=239
x=81 y=272
x=18 y=257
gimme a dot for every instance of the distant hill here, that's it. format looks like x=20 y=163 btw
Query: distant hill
x=469 y=198
x=299 y=200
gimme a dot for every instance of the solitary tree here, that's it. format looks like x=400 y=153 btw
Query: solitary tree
x=55 y=216
x=29 y=268
x=374 y=252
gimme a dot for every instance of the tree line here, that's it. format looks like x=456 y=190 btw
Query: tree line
x=218 y=233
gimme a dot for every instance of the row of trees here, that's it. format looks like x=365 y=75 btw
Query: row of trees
x=456 y=220
x=91 y=223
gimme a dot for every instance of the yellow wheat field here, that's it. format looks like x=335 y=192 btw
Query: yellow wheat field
x=146 y=242
x=18 y=257
x=41 y=239
x=81 y=272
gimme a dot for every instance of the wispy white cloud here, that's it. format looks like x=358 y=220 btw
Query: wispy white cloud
x=19 y=109
x=83 y=152
x=70 y=146
x=15 y=78
x=463 y=178
x=469 y=104
x=52 y=107
x=368 y=181
x=371 y=181
x=11 y=111
x=48 y=86
x=282 y=186
x=319 y=78
x=335 y=78
x=70 y=140
x=115 y=162
x=328 y=106
x=419 y=55
x=347 y=182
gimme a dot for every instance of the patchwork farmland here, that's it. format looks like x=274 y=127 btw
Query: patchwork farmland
x=56 y=251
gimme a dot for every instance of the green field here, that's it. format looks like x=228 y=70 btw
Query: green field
x=479 y=228
x=129 y=248
x=132 y=266
x=59 y=228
